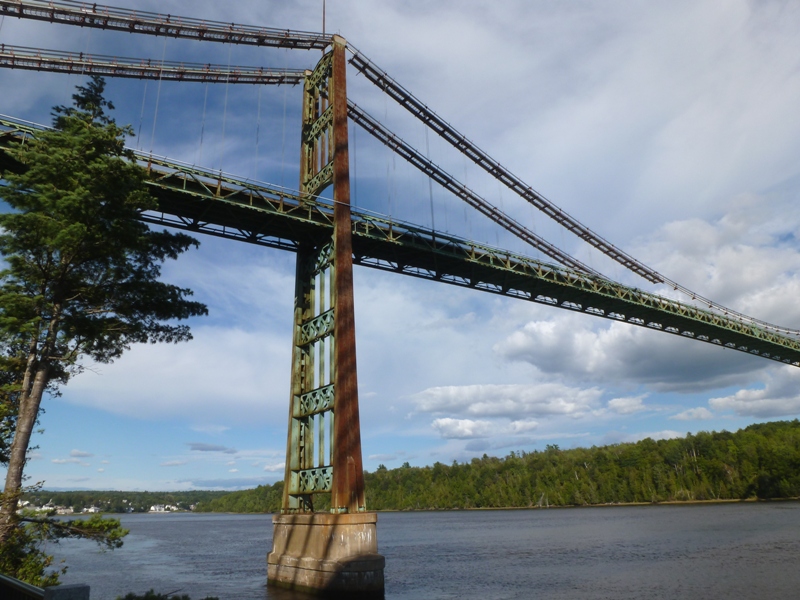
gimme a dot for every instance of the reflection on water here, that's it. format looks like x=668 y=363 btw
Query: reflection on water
x=699 y=551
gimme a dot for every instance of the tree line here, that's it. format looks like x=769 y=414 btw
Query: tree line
x=761 y=461
x=118 y=502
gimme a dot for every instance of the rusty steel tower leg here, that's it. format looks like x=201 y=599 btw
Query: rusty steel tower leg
x=334 y=550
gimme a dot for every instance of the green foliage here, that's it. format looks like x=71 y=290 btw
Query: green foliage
x=78 y=259
x=263 y=499
x=22 y=556
x=760 y=461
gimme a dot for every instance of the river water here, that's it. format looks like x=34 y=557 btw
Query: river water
x=749 y=550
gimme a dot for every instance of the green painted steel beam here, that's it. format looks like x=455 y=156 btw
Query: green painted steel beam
x=218 y=204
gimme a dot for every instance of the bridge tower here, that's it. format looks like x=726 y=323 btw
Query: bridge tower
x=335 y=550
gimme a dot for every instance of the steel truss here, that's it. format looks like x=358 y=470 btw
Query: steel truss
x=89 y=14
x=208 y=202
x=37 y=59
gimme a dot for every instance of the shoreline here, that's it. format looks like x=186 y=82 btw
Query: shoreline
x=564 y=506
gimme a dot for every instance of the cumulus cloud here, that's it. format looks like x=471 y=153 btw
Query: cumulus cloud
x=198 y=447
x=498 y=400
x=627 y=406
x=80 y=454
x=468 y=429
x=694 y=414
x=275 y=467
x=462 y=429
x=778 y=398
x=188 y=380
x=581 y=348
x=173 y=463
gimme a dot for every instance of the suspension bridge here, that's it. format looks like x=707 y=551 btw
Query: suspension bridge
x=329 y=236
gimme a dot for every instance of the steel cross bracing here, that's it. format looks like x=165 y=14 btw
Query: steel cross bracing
x=89 y=14
x=36 y=59
x=205 y=201
x=106 y=17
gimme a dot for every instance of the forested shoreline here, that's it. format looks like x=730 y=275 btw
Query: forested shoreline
x=761 y=461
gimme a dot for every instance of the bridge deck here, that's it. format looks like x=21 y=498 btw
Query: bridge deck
x=198 y=200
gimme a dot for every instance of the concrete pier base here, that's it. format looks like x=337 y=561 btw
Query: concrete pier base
x=327 y=553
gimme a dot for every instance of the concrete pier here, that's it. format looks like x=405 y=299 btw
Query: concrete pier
x=327 y=553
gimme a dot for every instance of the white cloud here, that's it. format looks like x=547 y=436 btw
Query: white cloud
x=540 y=400
x=190 y=379
x=173 y=463
x=578 y=347
x=694 y=414
x=462 y=429
x=275 y=467
x=778 y=398
x=80 y=454
x=627 y=406
x=469 y=429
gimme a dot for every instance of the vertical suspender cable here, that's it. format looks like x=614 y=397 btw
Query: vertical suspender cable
x=430 y=181
x=258 y=130
x=68 y=79
x=225 y=109
x=199 y=160
x=158 y=95
x=283 y=134
x=141 y=118
x=355 y=166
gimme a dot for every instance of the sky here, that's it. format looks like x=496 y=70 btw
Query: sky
x=671 y=129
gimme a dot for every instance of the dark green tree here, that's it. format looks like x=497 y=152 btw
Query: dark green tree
x=82 y=273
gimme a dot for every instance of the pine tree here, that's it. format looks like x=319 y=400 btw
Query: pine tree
x=82 y=272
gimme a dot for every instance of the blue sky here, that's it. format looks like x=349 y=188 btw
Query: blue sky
x=671 y=129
